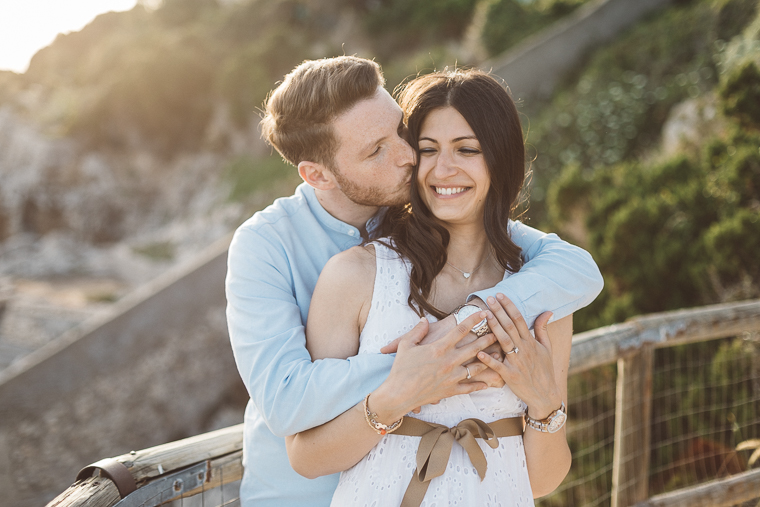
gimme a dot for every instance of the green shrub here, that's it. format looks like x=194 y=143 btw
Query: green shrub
x=741 y=95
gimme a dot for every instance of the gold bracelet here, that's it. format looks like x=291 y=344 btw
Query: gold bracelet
x=380 y=428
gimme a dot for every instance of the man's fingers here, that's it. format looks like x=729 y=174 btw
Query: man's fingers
x=392 y=347
x=470 y=350
x=460 y=330
x=414 y=336
x=541 y=330
x=475 y=368
x=489 y=377
x=492 y=363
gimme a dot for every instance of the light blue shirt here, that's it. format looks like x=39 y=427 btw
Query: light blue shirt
x=274 y=262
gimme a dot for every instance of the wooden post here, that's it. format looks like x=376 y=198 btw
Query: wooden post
x=633 y=409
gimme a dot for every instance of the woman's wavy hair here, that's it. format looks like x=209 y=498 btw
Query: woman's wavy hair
x=489 y=110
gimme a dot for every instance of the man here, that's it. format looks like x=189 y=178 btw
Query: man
x=334 y=120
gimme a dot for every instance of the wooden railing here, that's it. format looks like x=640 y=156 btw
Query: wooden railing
x=191 y=466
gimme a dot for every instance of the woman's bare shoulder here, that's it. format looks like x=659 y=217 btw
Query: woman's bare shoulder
x=355 y=266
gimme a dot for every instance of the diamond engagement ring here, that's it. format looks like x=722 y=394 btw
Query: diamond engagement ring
x=468 y=373
x=513 y=351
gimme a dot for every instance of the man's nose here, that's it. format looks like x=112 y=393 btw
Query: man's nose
x=407 y=154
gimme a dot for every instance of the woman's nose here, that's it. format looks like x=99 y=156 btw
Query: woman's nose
x=444 y=165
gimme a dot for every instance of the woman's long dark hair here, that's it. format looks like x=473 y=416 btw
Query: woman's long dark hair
x=493 y=117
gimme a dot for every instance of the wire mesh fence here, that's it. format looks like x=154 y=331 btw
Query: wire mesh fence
x=657 y=407
x=226 y=495
x=705 y=401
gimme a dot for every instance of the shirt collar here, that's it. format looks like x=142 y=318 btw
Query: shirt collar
x=330 y=222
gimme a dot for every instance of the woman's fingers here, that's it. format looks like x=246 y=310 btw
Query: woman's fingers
x=514 y=315
x=504 y=320
x=501 y=335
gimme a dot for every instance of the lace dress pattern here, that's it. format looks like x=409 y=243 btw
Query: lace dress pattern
x=381 y=477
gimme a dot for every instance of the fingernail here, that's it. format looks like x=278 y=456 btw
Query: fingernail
x=499 y=296
x=491 y=300
x=496 y=355
x=423 y=319
x=490 y=315
x=481 y=355
x=482 y=315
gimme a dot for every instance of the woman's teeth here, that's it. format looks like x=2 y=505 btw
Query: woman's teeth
x=450 y=190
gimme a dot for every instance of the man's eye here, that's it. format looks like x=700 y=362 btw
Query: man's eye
x=377 y=150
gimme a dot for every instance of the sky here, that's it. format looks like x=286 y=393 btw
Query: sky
x=26 y=26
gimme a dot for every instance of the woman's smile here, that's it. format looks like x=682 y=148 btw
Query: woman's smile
x=450 y=191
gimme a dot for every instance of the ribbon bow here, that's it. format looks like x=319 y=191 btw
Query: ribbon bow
x=437 y=441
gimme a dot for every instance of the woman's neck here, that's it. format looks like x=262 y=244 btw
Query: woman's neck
x=471 y=266
x=468 y=247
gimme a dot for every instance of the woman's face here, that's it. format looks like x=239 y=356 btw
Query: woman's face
x=453 y=178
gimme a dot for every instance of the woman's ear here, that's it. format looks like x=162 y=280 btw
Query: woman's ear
x=316 y=175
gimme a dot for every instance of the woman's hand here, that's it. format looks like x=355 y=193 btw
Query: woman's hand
x=527 y=367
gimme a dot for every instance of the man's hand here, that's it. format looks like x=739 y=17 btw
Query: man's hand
x=435 y=331
x=426 y=373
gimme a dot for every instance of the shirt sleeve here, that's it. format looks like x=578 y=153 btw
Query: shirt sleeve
x=557 y=277
x=291 y=392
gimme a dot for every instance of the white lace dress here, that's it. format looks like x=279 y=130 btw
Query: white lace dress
x=382 y=476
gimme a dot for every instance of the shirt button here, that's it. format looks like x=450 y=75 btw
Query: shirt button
x=351 y=232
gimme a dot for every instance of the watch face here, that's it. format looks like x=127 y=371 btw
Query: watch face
x=557 y=422
x=466 y=311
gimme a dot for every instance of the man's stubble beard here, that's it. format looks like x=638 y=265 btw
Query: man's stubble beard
x=370 y=196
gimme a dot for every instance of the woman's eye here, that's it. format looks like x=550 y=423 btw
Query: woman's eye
x=377 y=150
x=427 y=151
x=470 y=151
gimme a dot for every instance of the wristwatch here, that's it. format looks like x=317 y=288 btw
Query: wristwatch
x=464 y=311
x=551 y=424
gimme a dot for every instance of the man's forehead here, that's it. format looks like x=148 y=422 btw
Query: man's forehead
x=368 y=120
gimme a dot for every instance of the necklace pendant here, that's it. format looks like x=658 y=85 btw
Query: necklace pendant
x=466 y=275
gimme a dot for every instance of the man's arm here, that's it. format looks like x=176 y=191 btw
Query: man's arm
x=268 y=341
x=557 y=277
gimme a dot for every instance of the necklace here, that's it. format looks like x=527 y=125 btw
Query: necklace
x=468 y=274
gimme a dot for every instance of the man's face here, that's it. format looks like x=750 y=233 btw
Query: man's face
x=373 y=163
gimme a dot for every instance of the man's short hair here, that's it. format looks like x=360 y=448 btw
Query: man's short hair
x=300 y=111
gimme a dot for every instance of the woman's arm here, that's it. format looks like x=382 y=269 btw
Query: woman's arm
x=338 y=311
x=537 y=374
x=420 y=374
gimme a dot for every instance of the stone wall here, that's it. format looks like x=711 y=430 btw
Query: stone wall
x=157 y=369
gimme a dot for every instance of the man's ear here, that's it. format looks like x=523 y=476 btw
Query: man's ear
x=316 y=175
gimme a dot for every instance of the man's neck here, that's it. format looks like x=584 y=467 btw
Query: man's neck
x=345 y=210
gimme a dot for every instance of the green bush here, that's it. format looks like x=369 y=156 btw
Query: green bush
x=741 y=94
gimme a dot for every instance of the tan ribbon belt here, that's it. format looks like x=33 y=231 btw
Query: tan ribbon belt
x=435 y=448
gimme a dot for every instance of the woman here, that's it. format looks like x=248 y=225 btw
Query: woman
x=451 y=242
